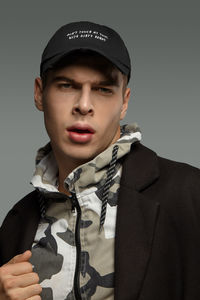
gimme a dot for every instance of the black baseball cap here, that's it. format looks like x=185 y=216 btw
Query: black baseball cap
x=89 y=36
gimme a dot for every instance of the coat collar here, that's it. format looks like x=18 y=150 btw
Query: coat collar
x=142 y=162
x=136 y=219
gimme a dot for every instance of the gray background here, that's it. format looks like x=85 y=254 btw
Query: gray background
x=163 y=40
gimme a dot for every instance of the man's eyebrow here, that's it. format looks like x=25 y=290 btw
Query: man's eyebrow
x=106 y=82
x=62 y=78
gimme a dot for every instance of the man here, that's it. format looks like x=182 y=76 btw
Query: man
x=108 y=219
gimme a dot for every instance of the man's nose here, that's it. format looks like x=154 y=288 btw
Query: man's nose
x=83 y=104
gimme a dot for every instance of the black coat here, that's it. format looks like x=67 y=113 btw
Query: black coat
x=157 y=244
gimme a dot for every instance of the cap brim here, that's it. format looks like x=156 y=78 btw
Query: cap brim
x=50 y=62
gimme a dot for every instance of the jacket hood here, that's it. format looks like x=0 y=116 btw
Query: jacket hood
x=87 y=175
x=100 y=176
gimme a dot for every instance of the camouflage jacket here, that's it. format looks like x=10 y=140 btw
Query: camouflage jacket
x=157 y=240
x=72 y=255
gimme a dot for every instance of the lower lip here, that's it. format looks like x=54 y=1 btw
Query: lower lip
x=80 y=137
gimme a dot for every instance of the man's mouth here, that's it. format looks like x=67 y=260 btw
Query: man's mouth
x=80 y=133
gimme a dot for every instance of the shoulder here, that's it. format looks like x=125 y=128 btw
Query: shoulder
x=20 y=224
x=177 y=166
x=182 y=174
x=144 y=169
x=175 y=186
x=145 y=156
x=24 y=207
x=26 y=202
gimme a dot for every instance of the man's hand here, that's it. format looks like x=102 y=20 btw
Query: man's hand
x=18 y=281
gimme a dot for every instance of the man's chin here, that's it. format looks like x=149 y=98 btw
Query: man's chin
x=78 y=153
x=82 y=159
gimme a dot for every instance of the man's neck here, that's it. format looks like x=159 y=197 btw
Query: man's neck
x=65 y=166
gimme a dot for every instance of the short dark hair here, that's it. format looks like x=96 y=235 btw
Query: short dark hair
x=76 y=56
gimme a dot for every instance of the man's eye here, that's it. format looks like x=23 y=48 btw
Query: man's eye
x=65 y=85
x=104 y=90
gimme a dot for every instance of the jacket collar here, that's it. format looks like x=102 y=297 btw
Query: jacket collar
x=142 y=164
x=136 y=219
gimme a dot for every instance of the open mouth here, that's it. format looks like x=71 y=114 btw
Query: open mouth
x=80 y=131
x=80 y=134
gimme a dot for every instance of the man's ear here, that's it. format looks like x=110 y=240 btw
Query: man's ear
x=125 y=103
x=38 y=93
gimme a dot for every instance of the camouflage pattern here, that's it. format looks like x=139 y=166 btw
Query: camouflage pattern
x=54 y=247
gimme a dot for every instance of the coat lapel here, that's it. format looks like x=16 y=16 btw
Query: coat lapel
x=136 y=220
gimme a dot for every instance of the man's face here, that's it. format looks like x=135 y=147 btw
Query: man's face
x=82 y=108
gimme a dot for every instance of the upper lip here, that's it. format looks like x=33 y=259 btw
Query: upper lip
x=81 y=127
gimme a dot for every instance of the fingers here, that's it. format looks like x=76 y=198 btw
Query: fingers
x=28 y=279
x=18 y=265
x=24 y=293
x=21 y=257
x=25 y=280
x=16 y=269
x=17 y=279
